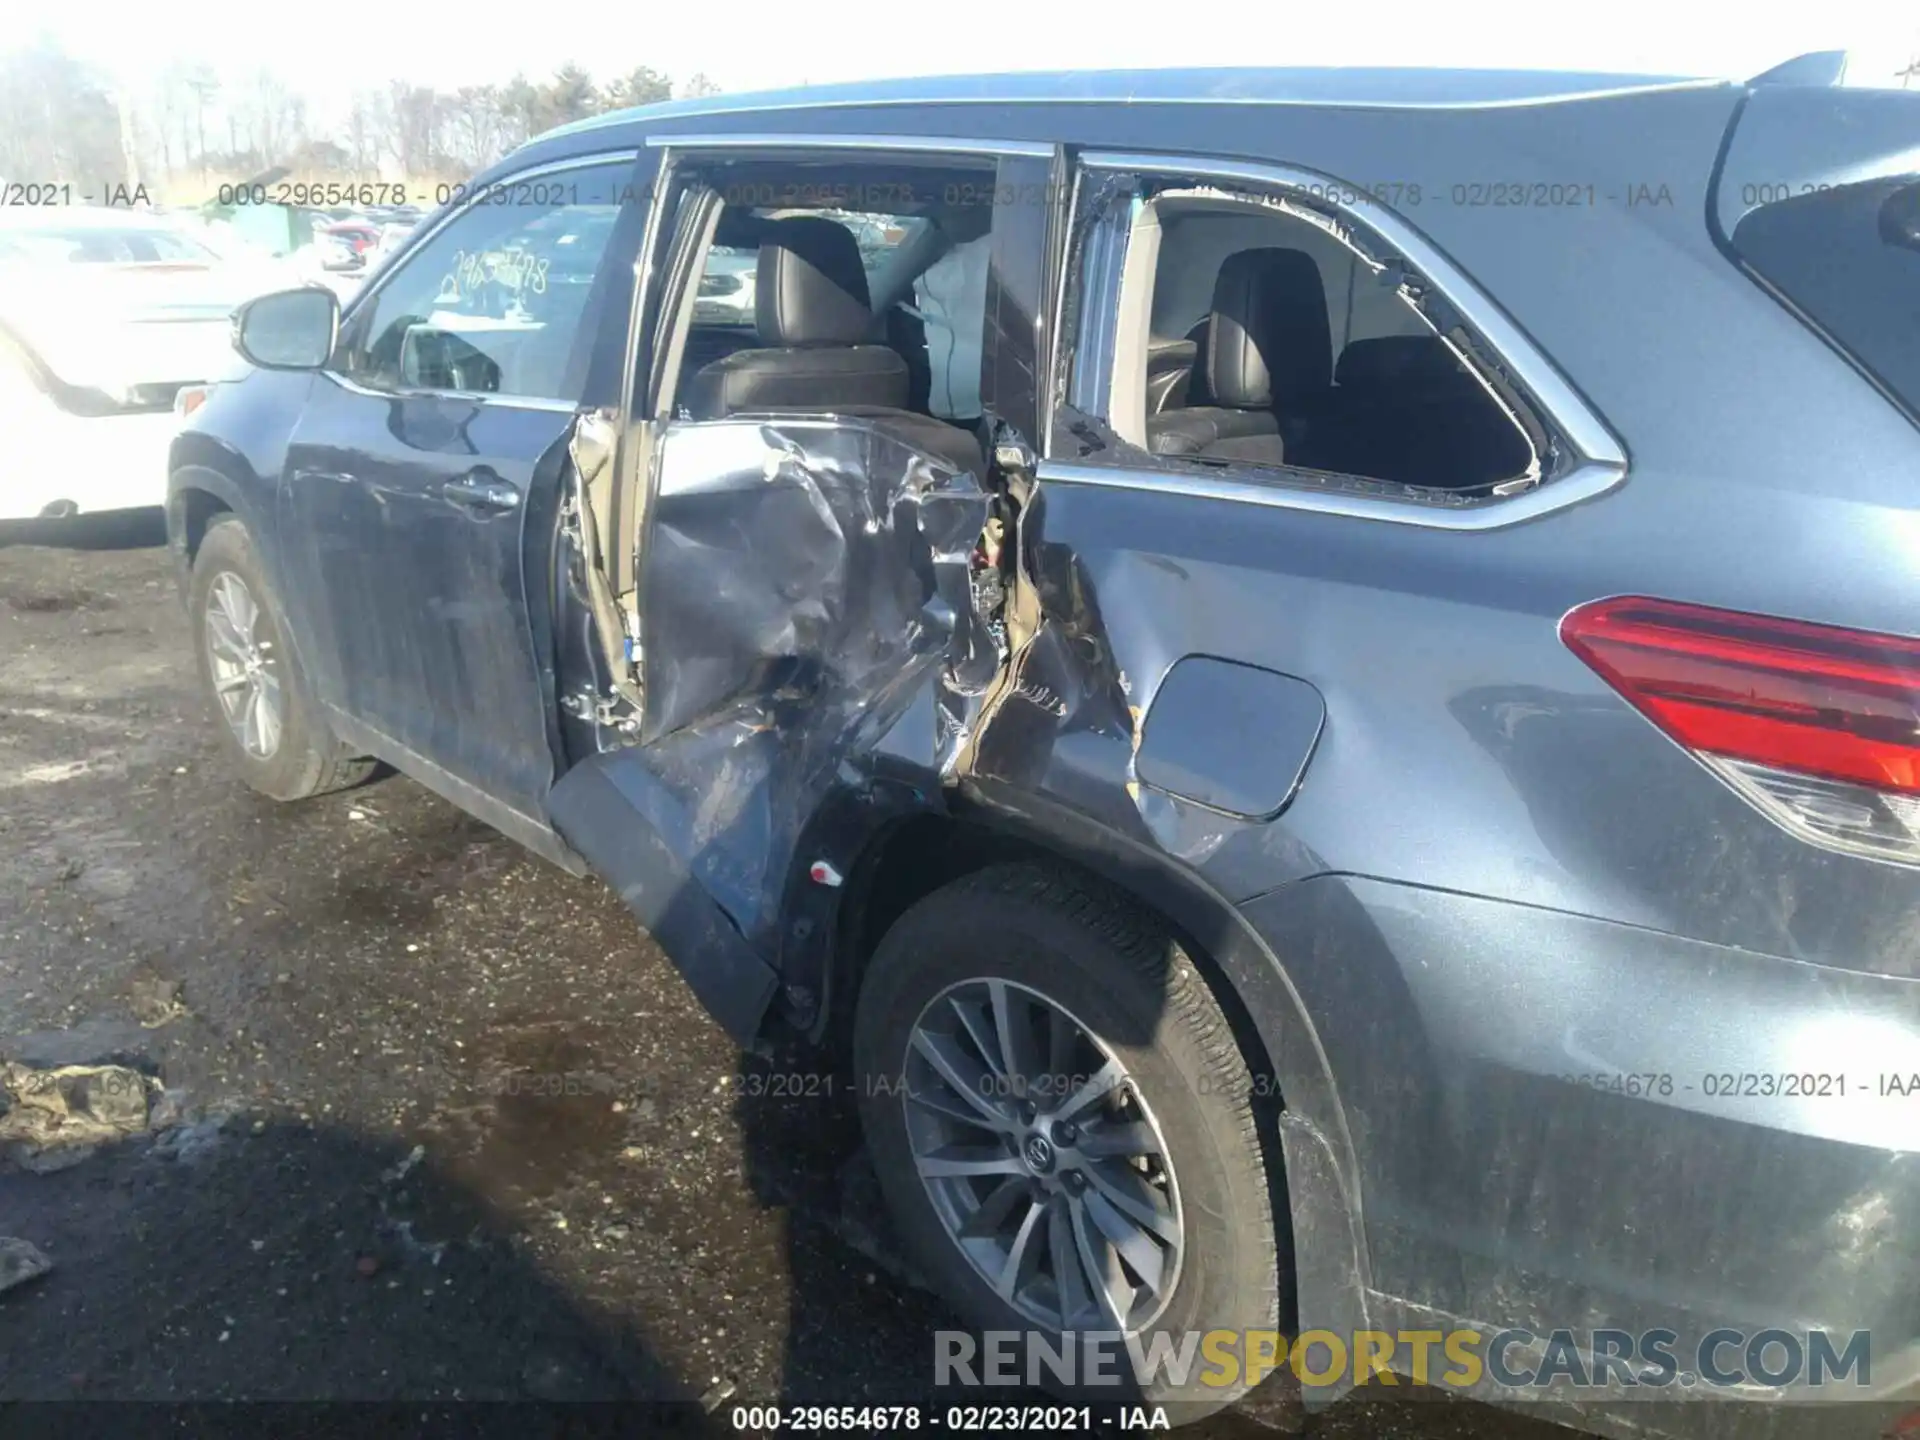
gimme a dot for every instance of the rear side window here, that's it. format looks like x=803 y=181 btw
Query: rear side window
x=1848 y=257
x=1255 y=332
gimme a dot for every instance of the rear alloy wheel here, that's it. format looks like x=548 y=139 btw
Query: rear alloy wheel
x=270 y=725
x=1062 y=1123
x=1041 y=1160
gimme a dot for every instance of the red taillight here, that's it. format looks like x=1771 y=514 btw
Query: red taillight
x=1841 y=704
x=1816 y=725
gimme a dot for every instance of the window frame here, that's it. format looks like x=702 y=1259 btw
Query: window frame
x=653 y=307
x=1596 y=460
x=354 y=317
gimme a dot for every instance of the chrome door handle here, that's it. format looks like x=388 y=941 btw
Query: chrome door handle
x=481 y=492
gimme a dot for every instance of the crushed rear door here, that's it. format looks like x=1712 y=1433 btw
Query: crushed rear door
x=806 y=626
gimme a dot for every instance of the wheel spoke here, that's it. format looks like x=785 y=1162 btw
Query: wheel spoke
x=1063 y=1038
x=1013 y=1018
x=979 y=1027
x=249 y=721
x=229 y=682
x=268 y=718
x=943 y=1102
x=1095 y=1087
x=225 y=637
x=1134 y=1198
x=956 y=1160
x=1119 y=1138
x=969 y=1080
x=1023 y=1255
x=994 y=1210
x=1100 y=1267
x=239 y=604
x=1069 y=1276
x=1140 y=1254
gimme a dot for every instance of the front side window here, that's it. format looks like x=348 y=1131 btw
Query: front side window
x=1238 y=329
x=495 y=302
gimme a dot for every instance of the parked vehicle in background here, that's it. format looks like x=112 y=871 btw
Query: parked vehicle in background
x=725 y=293
x=104 y=316
x=362 y=234
x=384 y=215
x=60 y=456
x=1309 y=679
x=393 y=235
x=336 y=253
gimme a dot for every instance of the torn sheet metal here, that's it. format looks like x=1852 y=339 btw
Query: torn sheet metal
x=807 y=598
x=801 y=556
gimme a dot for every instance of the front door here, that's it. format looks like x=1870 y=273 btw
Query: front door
x=421 y=484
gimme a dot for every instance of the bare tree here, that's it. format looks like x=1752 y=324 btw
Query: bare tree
x=569 y=96
x=362 y=137
x=57 y=123
x=58 y=120
x=414 y=127
x=641 y=86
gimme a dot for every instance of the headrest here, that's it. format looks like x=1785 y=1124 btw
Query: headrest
x=809 y=285
x=1399 y=360
x=1268 y=343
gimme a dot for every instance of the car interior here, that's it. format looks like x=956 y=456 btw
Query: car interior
x=1271 y=342
x=494 y=317
x=858 y=312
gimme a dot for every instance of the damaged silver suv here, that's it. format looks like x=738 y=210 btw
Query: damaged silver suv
x=1314 y=673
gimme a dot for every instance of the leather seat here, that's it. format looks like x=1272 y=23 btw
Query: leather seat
x=1405 y=409
x=812 y=316
x=1268 y=360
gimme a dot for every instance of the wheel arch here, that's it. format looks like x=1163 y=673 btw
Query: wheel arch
x=197 y=490
x=200 y=489
x=986 y=823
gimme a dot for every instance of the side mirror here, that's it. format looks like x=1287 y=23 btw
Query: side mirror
x=289 y=329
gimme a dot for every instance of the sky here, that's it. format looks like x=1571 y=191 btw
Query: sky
x=329 y=50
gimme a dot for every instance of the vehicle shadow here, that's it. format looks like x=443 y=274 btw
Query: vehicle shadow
x=265 y=1261
x=802 y=1154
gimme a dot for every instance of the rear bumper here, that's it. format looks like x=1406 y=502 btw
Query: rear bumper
x=1560 y=1123
x=52 y=461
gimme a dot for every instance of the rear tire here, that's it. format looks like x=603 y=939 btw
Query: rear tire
x=1018 y=940
x=269 y=724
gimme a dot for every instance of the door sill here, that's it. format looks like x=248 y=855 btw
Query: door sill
x=529 y=830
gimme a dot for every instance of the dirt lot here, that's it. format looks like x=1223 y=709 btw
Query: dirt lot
x=441 y=1123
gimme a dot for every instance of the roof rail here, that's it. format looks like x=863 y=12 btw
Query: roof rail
x=1821 y=68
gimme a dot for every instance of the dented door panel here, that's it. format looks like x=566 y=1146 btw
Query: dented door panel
x=1124 y=604
x=808 y=624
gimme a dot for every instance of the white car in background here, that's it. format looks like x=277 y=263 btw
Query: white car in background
x=106 y=316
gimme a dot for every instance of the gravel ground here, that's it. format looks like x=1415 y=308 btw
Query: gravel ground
x=444 y=1124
